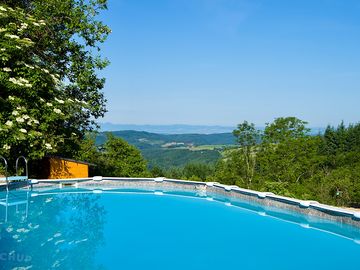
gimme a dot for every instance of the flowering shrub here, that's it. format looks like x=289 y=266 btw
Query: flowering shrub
x=43 y=101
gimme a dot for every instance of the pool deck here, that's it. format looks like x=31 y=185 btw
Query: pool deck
x=267 y=199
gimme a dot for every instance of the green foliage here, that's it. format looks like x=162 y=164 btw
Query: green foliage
x=174 y=173
x=157 y=172
x=147 y=140
x=174 y=150
x=247 y=137
x=293 y=160
x=199 y=171
x=286 y=128
x=278 y=188
x=116 y=158
x=292 y=163
x=50 y=92
x=169 y=158
x=122 y=159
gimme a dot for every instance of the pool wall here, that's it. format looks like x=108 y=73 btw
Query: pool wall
x=310 y=208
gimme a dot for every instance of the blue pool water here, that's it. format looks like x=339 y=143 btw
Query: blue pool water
x=81 y=229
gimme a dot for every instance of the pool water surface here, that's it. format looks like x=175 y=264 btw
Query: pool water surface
x=82 y=229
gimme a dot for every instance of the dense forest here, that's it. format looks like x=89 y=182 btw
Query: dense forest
x=291 y=162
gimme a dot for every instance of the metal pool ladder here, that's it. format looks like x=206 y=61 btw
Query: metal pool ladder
x=17 y=177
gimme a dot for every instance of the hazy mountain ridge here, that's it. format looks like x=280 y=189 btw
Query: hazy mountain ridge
x=178 y=129
x=144 y=140
x=167 y=129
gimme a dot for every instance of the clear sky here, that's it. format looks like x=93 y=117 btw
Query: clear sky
x=219 y=62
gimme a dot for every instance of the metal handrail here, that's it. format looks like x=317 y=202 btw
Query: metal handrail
x=26 y=165
x=6 y=171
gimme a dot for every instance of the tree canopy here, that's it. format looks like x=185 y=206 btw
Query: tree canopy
x=291 y=162
x=115 y=157
x=50 y=91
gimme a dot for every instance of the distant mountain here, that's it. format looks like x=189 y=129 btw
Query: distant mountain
x=145 y=140
x=168 y=129
x=181 y=129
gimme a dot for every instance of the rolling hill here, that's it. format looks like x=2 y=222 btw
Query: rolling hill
x=175 y=150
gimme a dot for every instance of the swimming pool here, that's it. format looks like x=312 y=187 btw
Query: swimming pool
x=145 y=228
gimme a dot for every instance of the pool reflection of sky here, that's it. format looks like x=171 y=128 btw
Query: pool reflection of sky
x=134 y=230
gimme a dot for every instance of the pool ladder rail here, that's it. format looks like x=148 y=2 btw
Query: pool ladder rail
x=15 y=200
x=16 y=178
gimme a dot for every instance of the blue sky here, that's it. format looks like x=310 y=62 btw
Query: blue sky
x=219 y=62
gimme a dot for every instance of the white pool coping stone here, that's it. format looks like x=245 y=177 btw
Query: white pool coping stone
x=97 y=178
x=304 y=204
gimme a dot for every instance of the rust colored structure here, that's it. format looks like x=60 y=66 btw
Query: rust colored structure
x=59 y=168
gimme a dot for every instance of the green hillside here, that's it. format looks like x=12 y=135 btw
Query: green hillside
x=143 y=139
x=179 y=157
x=175 y=150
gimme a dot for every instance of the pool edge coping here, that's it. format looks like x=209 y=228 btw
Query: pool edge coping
x=307 y=207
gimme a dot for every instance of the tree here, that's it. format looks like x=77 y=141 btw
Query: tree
x=288 y=161
x=121 y=159
x=199 y=171
x=114 y=158
x=50 y=92
x=247 y=136
x=285 y=128
x=157 y=172
x=291 y=161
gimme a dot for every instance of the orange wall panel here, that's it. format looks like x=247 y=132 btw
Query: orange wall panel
x=60 y=168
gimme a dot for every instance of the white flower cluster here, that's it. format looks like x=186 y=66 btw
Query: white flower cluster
x=23 y=27
x=6 y=69
x=48 y=146
x=58 y=111
x=27 y=41
x=21 y=82
x=12 y=36
x=29 y=66
x=6 y=147
x=81 y=101
x=21 y=118
x=59 y=101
